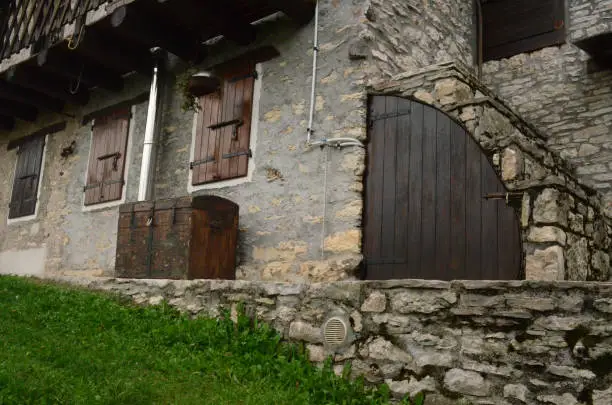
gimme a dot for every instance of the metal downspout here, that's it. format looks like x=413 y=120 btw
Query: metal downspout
x=147 y=166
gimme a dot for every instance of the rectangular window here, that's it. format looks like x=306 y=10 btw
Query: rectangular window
x=27 y=178
x=511 y=27
x=223 y=131
x=105 y=174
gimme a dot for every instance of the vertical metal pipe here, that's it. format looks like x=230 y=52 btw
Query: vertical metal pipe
x=313 y=87
x=146 y=168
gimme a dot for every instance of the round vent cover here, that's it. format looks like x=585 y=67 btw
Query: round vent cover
x=335 y=331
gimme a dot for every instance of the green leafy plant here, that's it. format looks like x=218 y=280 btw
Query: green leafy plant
x=189 y=101
x=419 y=399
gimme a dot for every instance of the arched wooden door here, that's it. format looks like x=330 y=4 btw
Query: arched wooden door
x=425 y=216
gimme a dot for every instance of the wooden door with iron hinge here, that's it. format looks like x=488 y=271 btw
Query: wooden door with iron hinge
x=431 y=200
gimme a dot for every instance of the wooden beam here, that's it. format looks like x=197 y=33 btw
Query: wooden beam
x=139 y=28
x=301 y=11
x=33 y=98
x=18 y=110
x=225 y=15
x=110 y=53
x=72 y=66
x=254 y=56
x=7 y=123
x=34 y=79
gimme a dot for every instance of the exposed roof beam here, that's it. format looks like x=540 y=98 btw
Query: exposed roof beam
x=18 y=110
x=139 y=28
x=109 y=53
x=301 y=11
x=224 y=15
x=33 y=98
x=72 y=66
x=26 y=76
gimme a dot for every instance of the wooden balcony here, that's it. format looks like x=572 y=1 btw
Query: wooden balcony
x=49 y=46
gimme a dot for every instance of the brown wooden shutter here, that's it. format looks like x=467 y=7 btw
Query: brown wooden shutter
x=511 y=27
x=224 y=129
x=107 y=158
x=27 y=176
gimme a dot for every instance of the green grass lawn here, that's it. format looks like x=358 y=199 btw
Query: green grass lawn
x=67 y=346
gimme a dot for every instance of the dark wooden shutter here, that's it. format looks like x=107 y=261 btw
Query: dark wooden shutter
x=224 y=129
x=107 y=158
x=27 y=176
x=511 y=27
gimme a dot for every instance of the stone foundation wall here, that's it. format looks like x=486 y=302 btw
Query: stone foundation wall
x=565 y=234
x=497 y=343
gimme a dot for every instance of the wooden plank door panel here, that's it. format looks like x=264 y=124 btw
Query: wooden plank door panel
x=425 y=215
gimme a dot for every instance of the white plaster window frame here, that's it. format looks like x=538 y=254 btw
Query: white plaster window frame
x=28 y=218
x=252 y=144
x=126 y=170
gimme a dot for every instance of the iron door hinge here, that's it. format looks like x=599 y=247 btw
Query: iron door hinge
x=102 y=184
x=201 y=162
x=248 y=153
x=385 y=116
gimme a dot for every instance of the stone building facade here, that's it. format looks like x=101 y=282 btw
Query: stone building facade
x=301 y=206
x=566 y=94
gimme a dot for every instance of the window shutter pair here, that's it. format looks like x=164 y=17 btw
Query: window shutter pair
x=27 y=176
x=511 y=27
x=105 y=175
x=224 y=129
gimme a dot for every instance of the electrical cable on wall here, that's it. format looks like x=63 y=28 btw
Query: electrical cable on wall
x=340 y=142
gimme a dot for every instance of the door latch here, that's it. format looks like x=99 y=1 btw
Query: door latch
x=508 y=196
x=115 y=156
x=237 y=123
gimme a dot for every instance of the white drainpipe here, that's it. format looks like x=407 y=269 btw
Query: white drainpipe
x=313 y=86
x=146 y=169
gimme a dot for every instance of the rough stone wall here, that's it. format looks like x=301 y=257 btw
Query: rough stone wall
x=286 y=212
x=72 y=239
x=496 y=343
x=408 y=35
x=565 y=235
x=589 y=18
x=565 y=95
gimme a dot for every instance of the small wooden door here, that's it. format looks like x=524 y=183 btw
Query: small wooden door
x=425 y=216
